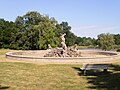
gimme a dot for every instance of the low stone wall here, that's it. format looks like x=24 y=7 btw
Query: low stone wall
x=27 y=56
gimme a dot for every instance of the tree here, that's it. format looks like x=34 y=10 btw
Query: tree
x=47 y=35
x=106 y=41
x=117 y=39
x=84 y=41
x=78 y=40
x=36 y=31
x=7 y=30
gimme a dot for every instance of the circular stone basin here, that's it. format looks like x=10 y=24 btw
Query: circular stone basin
x=86 y=56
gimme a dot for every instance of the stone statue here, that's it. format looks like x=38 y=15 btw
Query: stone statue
x=49 y=46
x=63 y=41
x=62 y=37
x=75 y=47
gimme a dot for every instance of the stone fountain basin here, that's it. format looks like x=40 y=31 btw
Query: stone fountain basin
x=86 y=56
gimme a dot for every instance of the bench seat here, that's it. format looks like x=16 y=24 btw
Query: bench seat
x=86 y=67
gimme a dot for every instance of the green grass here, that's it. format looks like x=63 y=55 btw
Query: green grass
x=31 y=76
x=25 y=76
x=3 y=51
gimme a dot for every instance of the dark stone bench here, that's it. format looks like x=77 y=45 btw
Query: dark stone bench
x=87 y=67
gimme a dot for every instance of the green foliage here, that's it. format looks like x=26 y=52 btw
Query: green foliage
x=85 y=41
x=35 y=31
x=106 y=41
x=118 y=50
x=117 y=39
x=7 y=30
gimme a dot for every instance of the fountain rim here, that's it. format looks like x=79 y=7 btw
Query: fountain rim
x=12 y=55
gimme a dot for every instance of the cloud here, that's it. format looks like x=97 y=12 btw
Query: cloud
x=85 y=27
x=108 y=29
x=93 y=31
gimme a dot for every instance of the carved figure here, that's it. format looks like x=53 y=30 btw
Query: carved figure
x=49 y=46
x=63 y=41
x=62 y=37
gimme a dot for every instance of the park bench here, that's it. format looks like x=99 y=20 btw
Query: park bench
x=87 y=67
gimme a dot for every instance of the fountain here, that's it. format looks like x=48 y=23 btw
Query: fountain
x=63 y=51
x=63 y=54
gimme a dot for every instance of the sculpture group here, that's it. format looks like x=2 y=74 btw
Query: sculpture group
x=62 y=51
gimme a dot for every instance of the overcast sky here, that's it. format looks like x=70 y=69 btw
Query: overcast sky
x=86 y=17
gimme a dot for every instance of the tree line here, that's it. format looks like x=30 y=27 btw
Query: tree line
x=34 y=31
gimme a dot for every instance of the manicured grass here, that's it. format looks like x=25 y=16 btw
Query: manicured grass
x=3 y=51
x=31 y=76
x=2 y=54
x=22 y=76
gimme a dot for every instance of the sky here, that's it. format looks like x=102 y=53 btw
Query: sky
x=88 y=18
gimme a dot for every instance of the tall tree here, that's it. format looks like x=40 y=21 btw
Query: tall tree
x=7 y=30
x=47 y=35
x=36 y=31
x=106 y=41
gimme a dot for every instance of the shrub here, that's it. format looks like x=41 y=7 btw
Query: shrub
x=118 y=50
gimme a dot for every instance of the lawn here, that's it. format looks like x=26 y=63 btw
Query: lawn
x=32 y=76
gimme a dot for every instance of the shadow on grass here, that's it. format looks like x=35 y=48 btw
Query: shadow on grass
x=104 y=81
x=4 y=87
